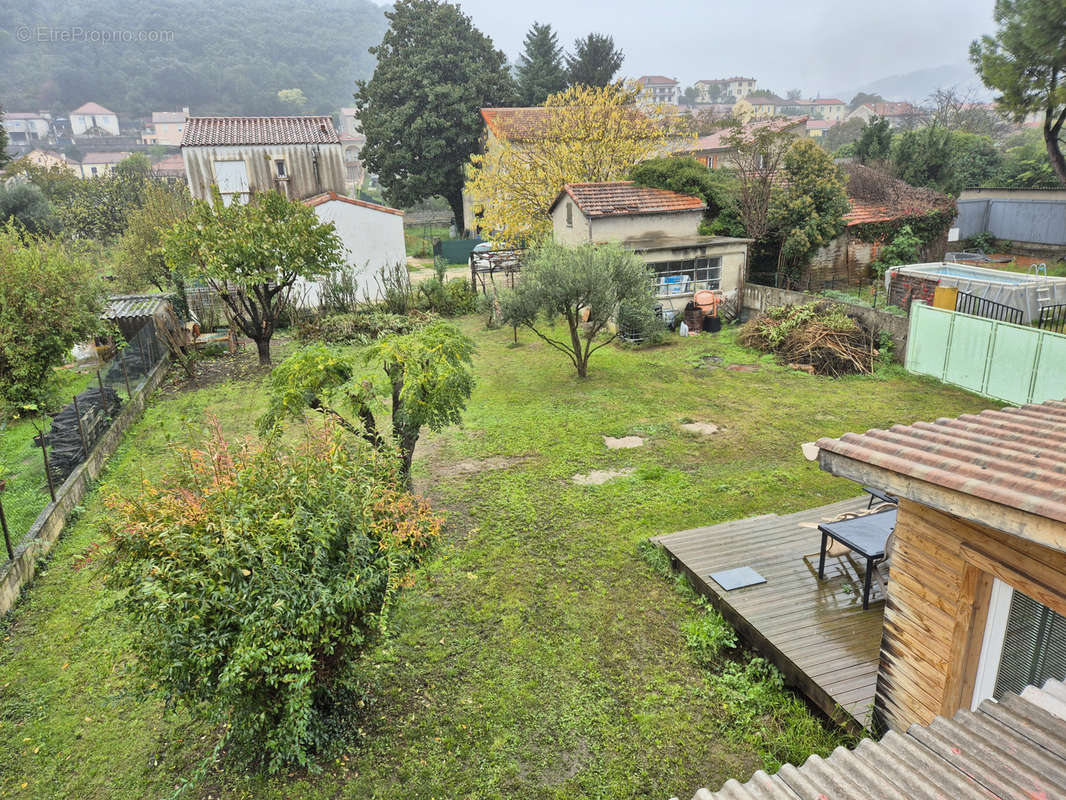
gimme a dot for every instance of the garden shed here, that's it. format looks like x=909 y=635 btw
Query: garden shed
x=131 y=312
x=976 y=595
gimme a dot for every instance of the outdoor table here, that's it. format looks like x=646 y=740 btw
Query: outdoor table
x=866 y=536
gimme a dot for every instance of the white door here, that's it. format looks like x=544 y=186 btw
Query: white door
x=232 y=180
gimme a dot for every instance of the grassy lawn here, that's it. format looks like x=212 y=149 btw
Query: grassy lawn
x=539 y=656
x=21 y=464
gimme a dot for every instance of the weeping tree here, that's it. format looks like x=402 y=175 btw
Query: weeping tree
x=584 y=286
x=428 y=380
x=252 y=254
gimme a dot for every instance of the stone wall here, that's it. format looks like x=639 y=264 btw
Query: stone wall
x=44 y=532
x=757 y=298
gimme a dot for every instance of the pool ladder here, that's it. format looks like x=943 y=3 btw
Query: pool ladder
x=1043 y=289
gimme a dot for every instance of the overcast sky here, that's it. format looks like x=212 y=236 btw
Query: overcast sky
x=825 y=46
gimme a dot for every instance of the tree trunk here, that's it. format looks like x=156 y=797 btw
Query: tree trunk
x=455 y=201
x=580 y=359
x=407 y=454
x=1054 y=150
x=262 y=346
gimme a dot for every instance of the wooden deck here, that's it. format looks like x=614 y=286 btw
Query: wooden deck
x=814 y=631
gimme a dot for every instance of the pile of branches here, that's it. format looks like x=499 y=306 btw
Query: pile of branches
x=816 y=337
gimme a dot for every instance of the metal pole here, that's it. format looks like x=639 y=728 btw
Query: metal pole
x=3 y=524
x=125 y=376
x=47 y=468
x=81 y=427
x=100 y=383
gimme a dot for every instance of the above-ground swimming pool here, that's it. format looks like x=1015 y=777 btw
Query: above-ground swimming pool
x=1024 y=291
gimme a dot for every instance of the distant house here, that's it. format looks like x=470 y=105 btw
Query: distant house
x=170 y=167
x=166 y=128
x=821 y=108
x=661 y=226
x=49 y=159
x=658 y=90
x=298 y=156
x=92 y=119
x=816 y=128
x=94 y=165
x=715 y=90
x=352 y=142
x=767 y=105
x=26 y=128
x=715 y=150
x=899 y=115
x=372 y=236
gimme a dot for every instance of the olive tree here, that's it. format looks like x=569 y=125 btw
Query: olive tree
x=585 y=286
x=428 y=380
x=252 y=254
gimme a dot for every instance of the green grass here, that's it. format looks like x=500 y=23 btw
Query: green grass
x=540 y=655
x=21 y=464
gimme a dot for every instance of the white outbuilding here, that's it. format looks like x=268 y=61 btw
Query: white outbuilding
x=372 y=236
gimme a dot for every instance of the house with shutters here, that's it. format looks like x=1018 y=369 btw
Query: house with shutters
x=298 y=156
x=166 y=128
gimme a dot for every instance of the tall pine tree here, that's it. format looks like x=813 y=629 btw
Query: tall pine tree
x=540 y=69
x=1026 y=62
x=594 y=61
x=4 y=157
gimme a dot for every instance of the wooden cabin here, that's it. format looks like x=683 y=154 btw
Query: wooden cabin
x=976 y=599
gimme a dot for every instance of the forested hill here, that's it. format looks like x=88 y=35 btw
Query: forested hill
x=229 y=57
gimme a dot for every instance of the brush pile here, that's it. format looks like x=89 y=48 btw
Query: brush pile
x=817 y=336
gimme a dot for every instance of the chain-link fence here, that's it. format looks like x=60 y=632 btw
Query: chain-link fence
x=39 y=454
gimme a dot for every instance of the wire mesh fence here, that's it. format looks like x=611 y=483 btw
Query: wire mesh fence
x=38 y=454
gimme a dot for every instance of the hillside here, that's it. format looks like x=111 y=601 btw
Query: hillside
x=916 y=86
x=229 y=58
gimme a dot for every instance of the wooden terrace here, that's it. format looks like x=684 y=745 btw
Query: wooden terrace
x=815 y=632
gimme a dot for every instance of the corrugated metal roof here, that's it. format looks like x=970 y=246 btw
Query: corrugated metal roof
x=1015 y=748
x=223 y=131
x=1015 y=456
x=134 y=305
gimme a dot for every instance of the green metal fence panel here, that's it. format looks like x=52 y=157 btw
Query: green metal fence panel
x=968 y=347
x=1014 y=363
x=925 y=352
x=1012 y=358
x=455 y=251
x=1049 y=382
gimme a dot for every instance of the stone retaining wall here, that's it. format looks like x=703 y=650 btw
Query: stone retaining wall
x=45 y=530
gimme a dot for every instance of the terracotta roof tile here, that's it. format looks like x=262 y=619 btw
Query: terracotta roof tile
x=91 y=108
x=1015 y=456
x=644 y=80
x=623 y=198
x=326 y=197
x=223 y=131
x=104 y=158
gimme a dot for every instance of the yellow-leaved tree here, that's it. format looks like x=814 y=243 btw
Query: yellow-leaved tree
x=582 y=135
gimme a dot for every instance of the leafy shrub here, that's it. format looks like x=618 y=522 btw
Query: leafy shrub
x=256 y=578
x=359 y=327
x=903 y=249
x=49 y=301
x=340 y=292
x=451 y=299
x=708 y=636
x=396 y=292
x=985 y=242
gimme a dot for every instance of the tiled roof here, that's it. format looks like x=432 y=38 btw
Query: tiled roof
x=223 y=131
x=717 y=140
x=890 y=109
x=819 y=101
x=104 y=158
x=170 y=164
x=876 y=196
x=1013 y=748
x=624 y=198
x=91 y=108
x=1015 y=457
x=644 y=80
x=23 y=115
x=326 y=197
